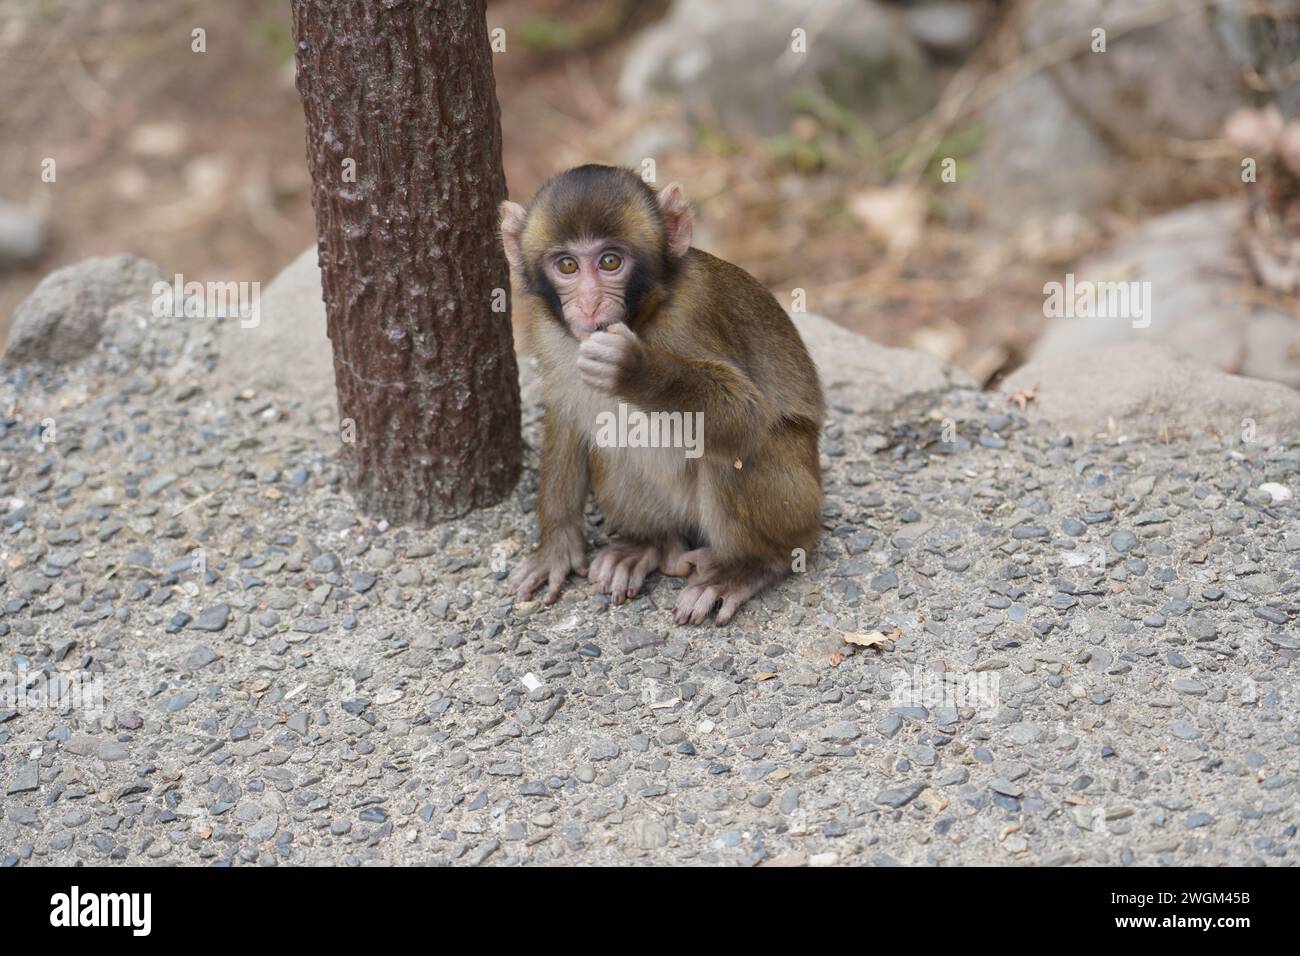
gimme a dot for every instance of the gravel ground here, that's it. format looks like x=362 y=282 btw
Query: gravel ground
x=286 y=682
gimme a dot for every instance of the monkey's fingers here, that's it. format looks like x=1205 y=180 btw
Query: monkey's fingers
x=597 y=374
x=610 y=349
x=606 y=342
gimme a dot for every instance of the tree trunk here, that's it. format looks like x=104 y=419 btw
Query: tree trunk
x=404 y=148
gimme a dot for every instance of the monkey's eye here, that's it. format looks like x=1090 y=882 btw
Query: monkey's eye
x=567 y=265
x=610 y=261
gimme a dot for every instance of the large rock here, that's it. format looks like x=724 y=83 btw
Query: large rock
x=1049 y=139
x=64 y=317
x=1200 y=299
x=288 y=352
x=731 y=62
x=1264 y=40
x=1181 y=65
x=1039 y=158
x=1145 y=390
x=870 y=377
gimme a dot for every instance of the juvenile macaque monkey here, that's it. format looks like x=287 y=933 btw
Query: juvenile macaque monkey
x=623 y=310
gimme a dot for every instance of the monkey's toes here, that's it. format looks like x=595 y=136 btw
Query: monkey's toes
x=547 y=569
x=526 y=581
x=620 y=569
x=671 y=559
x=695 y=603
x=698 y=598
x=700 y=561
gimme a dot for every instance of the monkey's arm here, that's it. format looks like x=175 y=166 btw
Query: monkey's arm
x=561 y=499
x=736 y=414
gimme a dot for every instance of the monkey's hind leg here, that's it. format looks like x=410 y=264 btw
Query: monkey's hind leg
x=731 y=582
x=755 y=517
x=620 y=569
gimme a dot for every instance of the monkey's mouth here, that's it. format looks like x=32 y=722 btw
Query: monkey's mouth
x=584 y=332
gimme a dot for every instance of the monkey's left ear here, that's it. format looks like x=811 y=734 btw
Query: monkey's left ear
x=677 y=217
x=513 y=219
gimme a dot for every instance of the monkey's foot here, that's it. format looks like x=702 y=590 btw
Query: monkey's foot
x=712 y=582
x=549 y=566
x=697 y=561
x=620 y=569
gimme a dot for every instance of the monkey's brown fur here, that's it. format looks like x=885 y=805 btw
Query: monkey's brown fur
x=714 y=341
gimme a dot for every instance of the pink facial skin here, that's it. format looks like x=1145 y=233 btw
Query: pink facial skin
x=592 y=297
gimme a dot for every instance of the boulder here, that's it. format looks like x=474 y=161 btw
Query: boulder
x=732 y=62
x=1048 y=140
x=288 y=352
x=64 y=317
x=1140 y=389
x=1180 y=63
x=1200 y=297
x=1269 y=49
x=1038 y=159
x=871 y=377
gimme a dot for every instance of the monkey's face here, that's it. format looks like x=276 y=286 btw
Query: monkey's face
x=594 y=244
x=590 y=279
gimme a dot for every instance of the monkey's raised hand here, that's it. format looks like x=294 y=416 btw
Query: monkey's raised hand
x=550 y=564
x=607 y=356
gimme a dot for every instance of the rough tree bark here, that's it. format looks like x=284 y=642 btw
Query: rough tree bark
x=404 y=148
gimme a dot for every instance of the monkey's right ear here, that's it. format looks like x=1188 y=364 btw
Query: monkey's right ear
x=513 y=218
